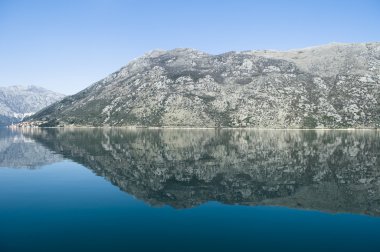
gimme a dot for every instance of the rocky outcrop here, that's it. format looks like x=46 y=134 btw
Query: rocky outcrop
x=332 y=86
x=18 y=102
x=335 y=171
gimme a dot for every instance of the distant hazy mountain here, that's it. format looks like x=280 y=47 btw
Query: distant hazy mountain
x=335 y=86
x=17 y=102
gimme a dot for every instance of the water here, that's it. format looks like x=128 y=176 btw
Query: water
x=189 y=190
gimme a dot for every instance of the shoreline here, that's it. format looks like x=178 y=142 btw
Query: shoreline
x=185 y=128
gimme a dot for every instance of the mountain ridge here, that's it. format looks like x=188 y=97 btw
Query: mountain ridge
x=18 y=102
x=330 y=86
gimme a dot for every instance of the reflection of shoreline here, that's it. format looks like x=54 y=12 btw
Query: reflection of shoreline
x=334 y=171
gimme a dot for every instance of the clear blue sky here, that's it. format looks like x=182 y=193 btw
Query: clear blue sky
x=67 y=45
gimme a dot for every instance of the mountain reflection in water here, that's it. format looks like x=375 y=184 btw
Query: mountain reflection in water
x=334 y=171
x=19 y=151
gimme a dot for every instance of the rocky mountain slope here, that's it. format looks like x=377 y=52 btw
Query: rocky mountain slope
x=333 y=86
x=335 y=171
x=17 y=102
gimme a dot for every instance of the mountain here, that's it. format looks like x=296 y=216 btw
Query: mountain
x=334 y=171
x=17 y=102
x=332 y=86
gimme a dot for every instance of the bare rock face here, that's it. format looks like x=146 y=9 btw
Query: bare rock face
x=331 y=86
x=18 y=102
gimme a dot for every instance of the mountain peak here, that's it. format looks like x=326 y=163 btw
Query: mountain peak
x=18 y=101
x=333 y=86
x=175 y=52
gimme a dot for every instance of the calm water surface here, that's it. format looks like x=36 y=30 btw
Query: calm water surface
x=189 y=190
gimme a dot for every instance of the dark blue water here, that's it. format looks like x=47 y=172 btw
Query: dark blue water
x=116 y=190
